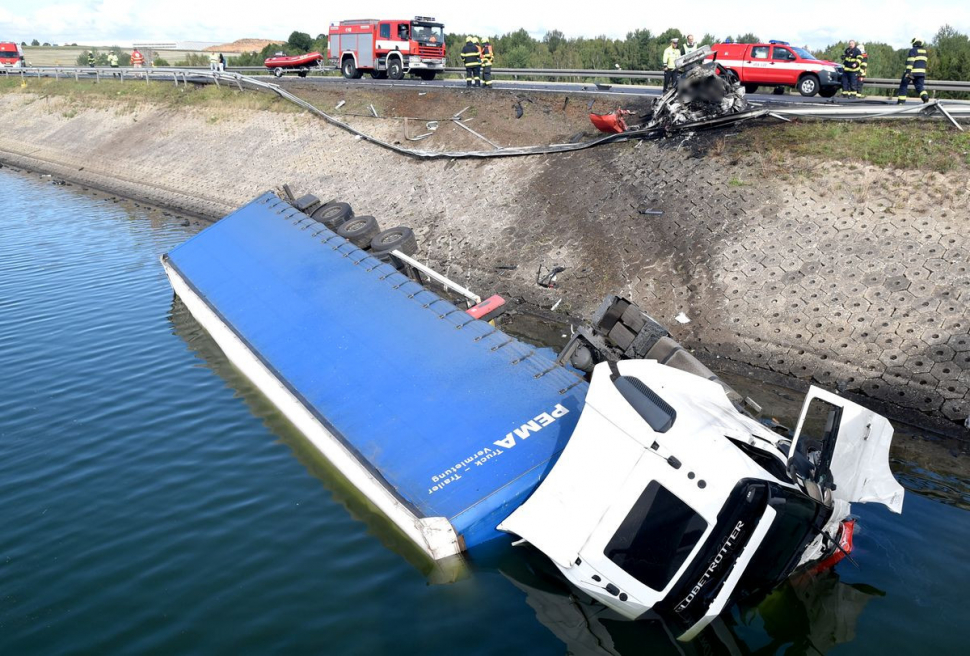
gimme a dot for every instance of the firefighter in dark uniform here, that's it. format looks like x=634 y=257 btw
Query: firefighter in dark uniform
x=90 y=59
x=472 y=57
x=915 y=73
x=863 y=71
x=488 y=58
x=851 y=64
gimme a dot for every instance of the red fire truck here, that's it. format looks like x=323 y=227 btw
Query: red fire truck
x=11 y=56
x=388 y=48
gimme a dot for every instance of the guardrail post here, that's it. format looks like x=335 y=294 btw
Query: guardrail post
x=75 y=76
x=97 y=75
x=175 y=78
x=215 y=78
x=122 y=71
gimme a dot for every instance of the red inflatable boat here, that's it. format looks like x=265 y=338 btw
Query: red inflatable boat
x=301 y=63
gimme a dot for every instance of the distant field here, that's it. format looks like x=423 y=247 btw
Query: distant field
x=67 y=55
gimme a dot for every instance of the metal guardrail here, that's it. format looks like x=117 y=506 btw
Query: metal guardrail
x=78 y=72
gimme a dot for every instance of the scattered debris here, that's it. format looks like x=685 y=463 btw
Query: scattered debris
x=652 y=212
x=549 y=280
x=340 y=104
x=506 y=267
x=518 y=110
x=556 y=305
x=374 y=111
x=682 y=318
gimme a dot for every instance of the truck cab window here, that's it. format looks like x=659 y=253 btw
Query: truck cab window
x=402 y=32
x=782 y=54
x=385 y=30
x=759 y=52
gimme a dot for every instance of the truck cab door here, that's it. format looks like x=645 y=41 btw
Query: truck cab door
x=842 y=449
x=757 y=65
x=783 y=60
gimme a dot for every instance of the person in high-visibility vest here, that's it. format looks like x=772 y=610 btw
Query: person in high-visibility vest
x=137 y=59
x=488 y=58
x=671 y=54
x=90 y=59
x=915 y=73
x=473 y=62
x=851 y=63
x=863 y=71
x=690 y=46
x=213 y=61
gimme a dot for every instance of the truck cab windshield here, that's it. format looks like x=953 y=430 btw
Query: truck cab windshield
x=431 y=34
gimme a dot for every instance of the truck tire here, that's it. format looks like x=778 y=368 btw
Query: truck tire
x=359 y=230
x=303 y=72
x=278 y=72
x=333 y=215
x=395 y=69
x=394 y=239
x=828 y=92
x=808 y=86
x=378 y=75
x=349 y=69
x=427 y=76
x=778 y=91
x=750 y=88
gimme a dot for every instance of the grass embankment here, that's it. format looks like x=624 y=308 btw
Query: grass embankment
x=131 y=93
x=900 y=144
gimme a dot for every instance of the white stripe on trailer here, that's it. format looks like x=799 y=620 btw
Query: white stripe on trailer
x=435 y=536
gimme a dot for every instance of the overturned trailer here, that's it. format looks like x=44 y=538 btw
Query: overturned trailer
x=625 y=461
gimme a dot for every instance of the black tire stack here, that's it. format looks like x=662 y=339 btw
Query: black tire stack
x=365 y=232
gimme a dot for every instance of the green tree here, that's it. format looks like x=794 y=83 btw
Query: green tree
x=35 y=42
x=301 y=41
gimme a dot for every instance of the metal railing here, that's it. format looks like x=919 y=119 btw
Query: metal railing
x=129 y=73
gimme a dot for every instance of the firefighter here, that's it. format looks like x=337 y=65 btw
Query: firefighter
x=863 y=71
x=488 y=58
x=915 y=73
x=137 y=59
x=472 y=57
x=690 y=46
x=670 y=56
x=90 y=59
x=851 y=61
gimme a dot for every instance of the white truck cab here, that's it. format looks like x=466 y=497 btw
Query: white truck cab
x=668 y=500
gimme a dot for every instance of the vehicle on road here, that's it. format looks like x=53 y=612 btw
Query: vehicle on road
x=778 y=64
x=388 y=48
x=299 y=64
x=11 y=55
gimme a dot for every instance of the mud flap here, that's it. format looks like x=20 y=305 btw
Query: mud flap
x=852 y=458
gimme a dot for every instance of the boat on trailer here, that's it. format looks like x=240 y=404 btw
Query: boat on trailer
x=647 y=481
x=300 y=64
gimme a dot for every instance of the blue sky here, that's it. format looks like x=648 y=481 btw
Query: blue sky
x=816 y=24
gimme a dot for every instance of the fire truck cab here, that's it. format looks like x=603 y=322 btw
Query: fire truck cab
x=388 y=48
x=11 y=55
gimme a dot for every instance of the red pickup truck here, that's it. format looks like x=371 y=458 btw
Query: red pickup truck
x=778 y=64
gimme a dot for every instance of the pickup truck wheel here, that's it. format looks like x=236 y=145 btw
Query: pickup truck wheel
x=808 y=85
x=828 y=92
x=278 y=72
x=395 y=69
x=394 y=239
x=427 y=76
x=778 y=91
x=750 y=88
x=359 y=230
x=349 y=69
x=333 y=215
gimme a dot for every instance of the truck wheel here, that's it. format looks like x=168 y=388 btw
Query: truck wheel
x=359 y=230
x=278 y=72
x=750 y=88
x=808 y=85
x=333 y=215
x=427 y=76
x=778 y=91
x=303 y=72
x=379 y=75
x=828 y=92
x=394 y=239
x=395 y=69
x=349 y=69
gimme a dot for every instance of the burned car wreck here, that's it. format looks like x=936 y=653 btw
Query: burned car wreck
x=672 y=500
x=704 y=94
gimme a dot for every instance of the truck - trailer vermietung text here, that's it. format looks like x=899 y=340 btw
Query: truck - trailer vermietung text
x=388 y=48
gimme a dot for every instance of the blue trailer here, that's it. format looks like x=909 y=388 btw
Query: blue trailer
x=444 y=422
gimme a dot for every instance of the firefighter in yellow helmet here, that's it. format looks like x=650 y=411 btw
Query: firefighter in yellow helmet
x=915 y=73
x=472 y=58
x=488 y=58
